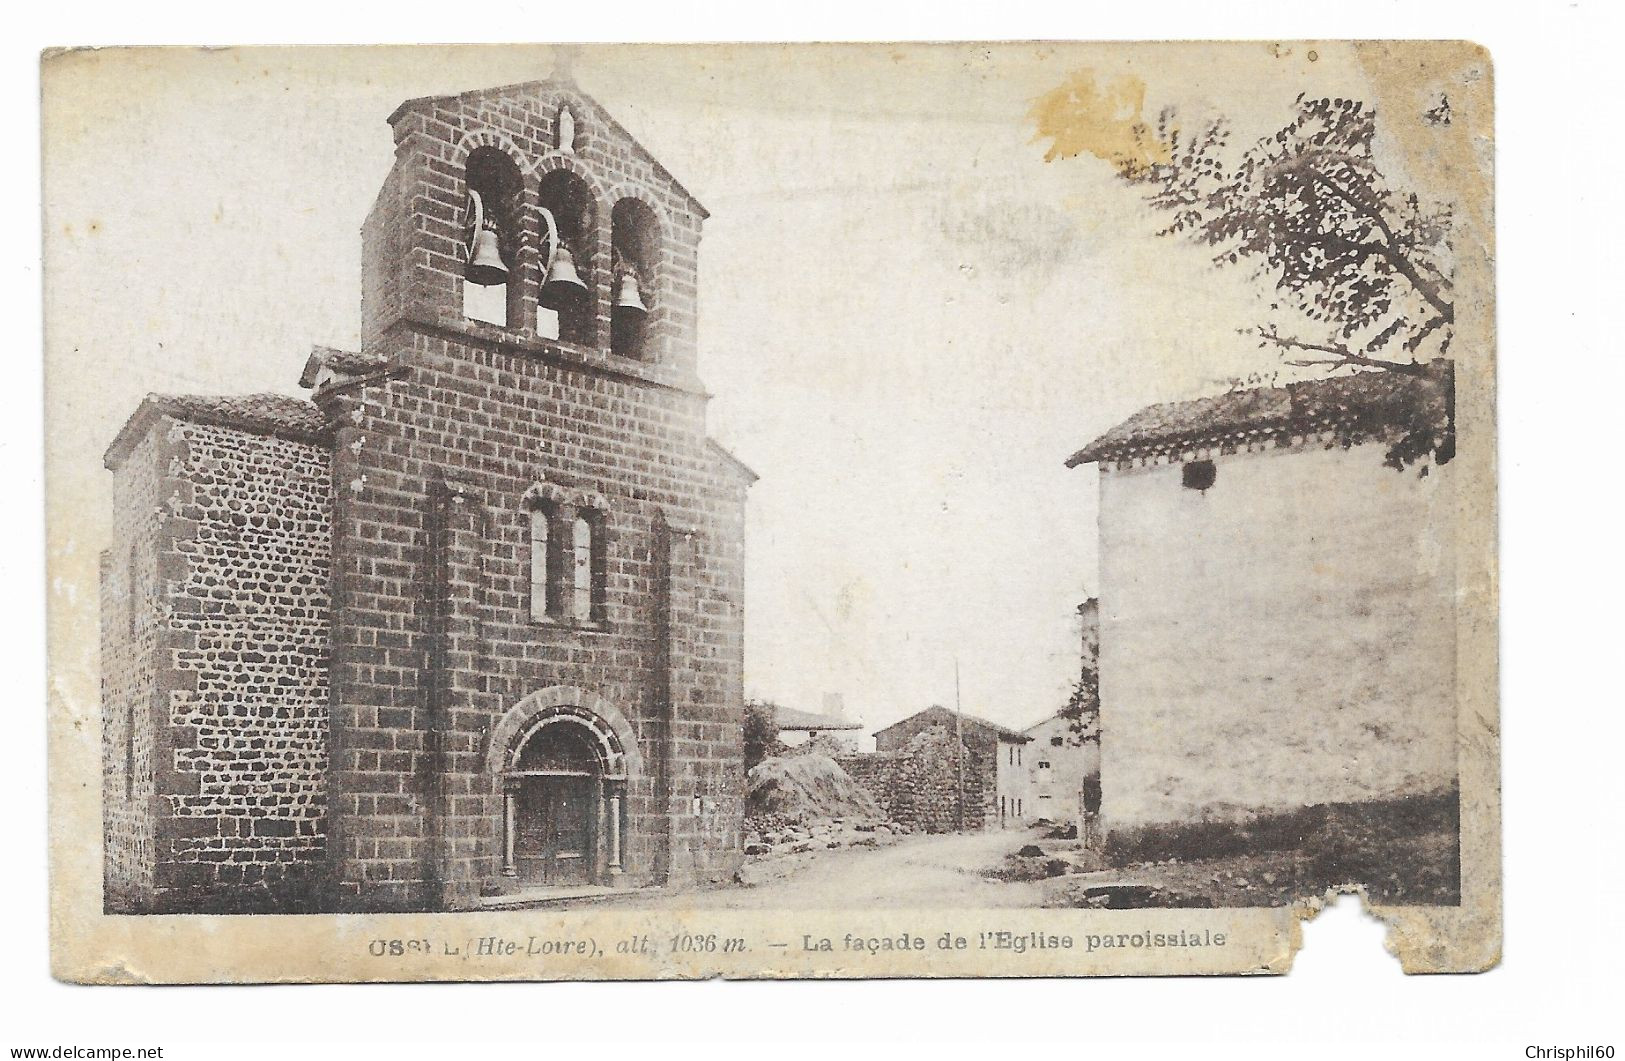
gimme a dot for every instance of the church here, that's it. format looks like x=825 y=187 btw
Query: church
x=463 y=627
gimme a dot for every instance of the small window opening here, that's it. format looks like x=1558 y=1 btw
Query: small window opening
x=133 y=592
x=1198 y=475
x=1056 y=742
x=129 y=752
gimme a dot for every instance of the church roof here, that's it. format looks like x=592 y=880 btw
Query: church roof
x=1375 y=400
x=264 y=413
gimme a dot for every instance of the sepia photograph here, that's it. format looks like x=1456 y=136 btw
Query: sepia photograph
x=769 y=510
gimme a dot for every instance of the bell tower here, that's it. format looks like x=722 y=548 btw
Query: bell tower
x=531 y=527
x=526 y=215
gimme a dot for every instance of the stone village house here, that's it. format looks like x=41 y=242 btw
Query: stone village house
x=468 y=621
x=1277 y=623
x=939 y=770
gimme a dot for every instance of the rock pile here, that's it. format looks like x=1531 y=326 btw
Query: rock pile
x=806 y=802
x=806 y=787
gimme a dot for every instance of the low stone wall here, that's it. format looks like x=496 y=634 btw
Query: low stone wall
x=916 y=786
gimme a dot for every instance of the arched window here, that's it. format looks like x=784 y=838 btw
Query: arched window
x=568 y=297
x=635 y=240
x=492 y=233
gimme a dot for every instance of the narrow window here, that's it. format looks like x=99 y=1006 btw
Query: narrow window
x=1056 y=742
x=540 y=600
x=582 y=574
x=129 y=752
x=132 y=590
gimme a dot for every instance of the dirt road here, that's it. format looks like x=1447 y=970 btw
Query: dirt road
x=917 y=871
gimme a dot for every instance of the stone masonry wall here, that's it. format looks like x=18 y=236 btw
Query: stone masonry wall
x=915 y=786
x=128 y=643
x=248 y=638
x=218 y=644
x=1285 y=637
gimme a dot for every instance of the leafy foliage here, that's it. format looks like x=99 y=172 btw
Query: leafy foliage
x=761 y=732
x=1082 y=709
x=1360 y=270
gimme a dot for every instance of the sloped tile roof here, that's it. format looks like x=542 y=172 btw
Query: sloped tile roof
x=264 y=413
x=1376 y=399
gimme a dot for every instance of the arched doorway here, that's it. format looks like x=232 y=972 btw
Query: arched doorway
x=564 y=802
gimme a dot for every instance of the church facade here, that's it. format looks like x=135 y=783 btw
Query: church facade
x=464 y=626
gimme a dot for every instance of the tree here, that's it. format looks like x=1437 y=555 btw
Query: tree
x=1360 y=270
x=761 y=732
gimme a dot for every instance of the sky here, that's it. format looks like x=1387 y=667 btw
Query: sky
x=907 y=317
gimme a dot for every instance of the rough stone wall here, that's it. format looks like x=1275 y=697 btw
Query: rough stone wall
x=1285 y=637
x=128 y=643
x=226 y=670
x=246 y=596
x=916 y=785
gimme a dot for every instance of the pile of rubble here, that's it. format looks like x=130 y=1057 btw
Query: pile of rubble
x=805 y=803
x=778 y=834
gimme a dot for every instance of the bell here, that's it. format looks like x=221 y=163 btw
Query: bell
x=485 y=266
x=627 y=298
x=562 y=285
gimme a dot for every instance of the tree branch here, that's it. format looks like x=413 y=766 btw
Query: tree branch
x=1373 y=212
x=1344 y=356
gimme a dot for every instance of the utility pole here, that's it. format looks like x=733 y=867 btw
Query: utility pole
x=959 y=750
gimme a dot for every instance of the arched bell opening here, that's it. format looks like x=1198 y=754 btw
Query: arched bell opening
x=635 y=243
x=493 y=236
x=568 y=296
x=564 y=803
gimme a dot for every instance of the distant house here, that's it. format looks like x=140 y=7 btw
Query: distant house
x=1060 y=760
x=1277 y=602
x=1063 y=763
x=802 y=727
x=998 y=754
